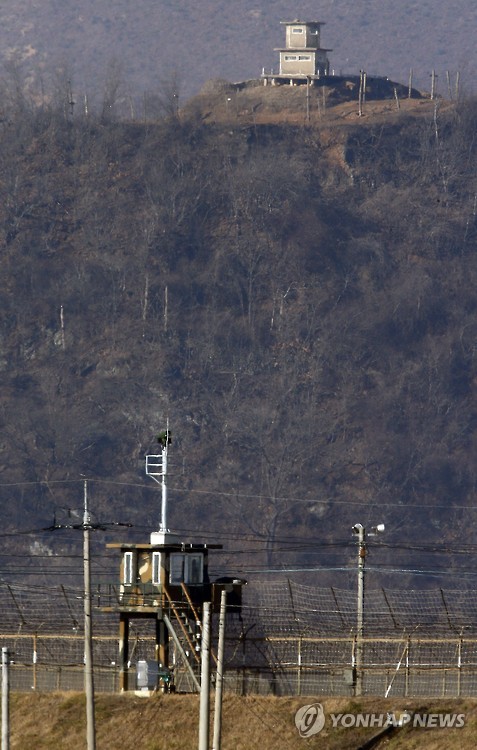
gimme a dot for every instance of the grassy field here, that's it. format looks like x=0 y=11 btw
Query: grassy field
x=170 y=722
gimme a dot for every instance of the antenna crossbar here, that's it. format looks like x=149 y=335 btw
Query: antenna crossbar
x=155 y=468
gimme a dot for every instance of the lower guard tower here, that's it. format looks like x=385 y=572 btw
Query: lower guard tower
x=167 y=581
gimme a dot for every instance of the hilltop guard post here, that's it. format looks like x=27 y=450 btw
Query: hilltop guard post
x=166 y=581
x=302 y=59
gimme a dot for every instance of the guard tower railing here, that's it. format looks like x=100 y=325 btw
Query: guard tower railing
x=114 y=597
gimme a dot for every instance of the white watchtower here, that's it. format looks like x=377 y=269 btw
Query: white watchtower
x=302 y=58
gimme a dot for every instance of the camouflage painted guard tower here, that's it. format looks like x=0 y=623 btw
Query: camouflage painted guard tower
x=167 y=581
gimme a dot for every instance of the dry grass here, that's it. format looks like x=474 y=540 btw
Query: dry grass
x=284 y=104
x=170 y=722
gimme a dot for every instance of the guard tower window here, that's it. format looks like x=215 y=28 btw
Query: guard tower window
x=195 y=568
x=186 y=568
x=297 y=31
x=156 y=568
x=128 y=568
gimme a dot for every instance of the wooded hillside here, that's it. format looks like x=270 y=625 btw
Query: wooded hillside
x=299 y=301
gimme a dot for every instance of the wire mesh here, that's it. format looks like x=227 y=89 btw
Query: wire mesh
x=287 y=638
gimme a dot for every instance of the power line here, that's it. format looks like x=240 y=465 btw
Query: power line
x=251 y=496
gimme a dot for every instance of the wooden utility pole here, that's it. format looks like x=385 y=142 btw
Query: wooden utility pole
x=5 y=699
x=88 y=633
x=216 y=743
x=205 y=680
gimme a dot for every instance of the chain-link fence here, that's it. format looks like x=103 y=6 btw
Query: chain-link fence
x=278 y=665
x=287 y=639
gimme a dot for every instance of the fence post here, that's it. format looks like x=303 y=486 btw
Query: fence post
x=299 y=666
x=353 y=661
x=408 y=666
x=459 y=668
x=35 y=660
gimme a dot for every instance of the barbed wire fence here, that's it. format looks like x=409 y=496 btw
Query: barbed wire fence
x=287 y=639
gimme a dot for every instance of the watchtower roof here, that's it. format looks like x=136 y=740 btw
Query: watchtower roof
x=176 y=547
x=301 y=49
x=305 y=23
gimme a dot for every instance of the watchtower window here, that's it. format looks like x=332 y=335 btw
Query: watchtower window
x=195 y=568
x=128 y=568
x=156 y=568
x=186 y=568
x=297 y=31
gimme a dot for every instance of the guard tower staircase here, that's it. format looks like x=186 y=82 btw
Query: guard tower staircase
x=185 y=630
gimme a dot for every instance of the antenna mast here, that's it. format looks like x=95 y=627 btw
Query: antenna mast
x=156 y=468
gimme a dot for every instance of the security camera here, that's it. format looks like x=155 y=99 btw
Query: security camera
x=357 y=528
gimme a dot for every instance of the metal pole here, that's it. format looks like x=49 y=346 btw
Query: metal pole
x=307 y=99
x=164 y=486
x=299 y=667
x=35 y=660
x=205 y=681
x=88 y=634
x=220 y=674
x=360 y=94
x=433 y=84
x=5 y=699
x=360 y=609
